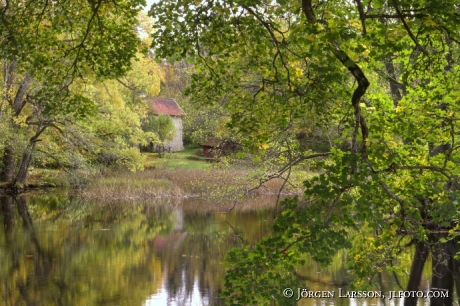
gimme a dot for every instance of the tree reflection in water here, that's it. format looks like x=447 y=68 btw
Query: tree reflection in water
x=57 y=251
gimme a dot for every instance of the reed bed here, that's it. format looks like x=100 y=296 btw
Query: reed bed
x=211 y=185
x=157 y=183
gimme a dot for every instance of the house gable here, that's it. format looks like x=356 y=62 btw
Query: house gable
x=167 y=106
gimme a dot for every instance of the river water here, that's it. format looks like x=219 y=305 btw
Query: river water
x=60 y=250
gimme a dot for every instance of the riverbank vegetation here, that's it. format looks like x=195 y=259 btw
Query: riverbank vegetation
x=183 y=175
x=173 y=175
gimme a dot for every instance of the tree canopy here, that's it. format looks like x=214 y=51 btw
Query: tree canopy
x=55 y=58
x=384 y=74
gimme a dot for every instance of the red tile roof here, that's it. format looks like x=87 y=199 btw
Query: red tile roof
x=166 y=106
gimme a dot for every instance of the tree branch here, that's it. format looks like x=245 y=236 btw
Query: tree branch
x=361 y=15
x=411 y=35
x=357 y=73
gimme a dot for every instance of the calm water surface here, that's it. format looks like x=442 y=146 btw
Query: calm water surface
x=55 y=250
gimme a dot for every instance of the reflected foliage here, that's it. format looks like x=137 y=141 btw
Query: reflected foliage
x=63 y=251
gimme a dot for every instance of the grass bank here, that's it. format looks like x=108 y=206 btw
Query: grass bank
x=175 y=175
x=210 y=185
x=184 y=160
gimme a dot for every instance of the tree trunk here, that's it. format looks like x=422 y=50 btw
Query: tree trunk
x=7 y=173
x=395 y=87
x=442 y=277
x=420 y=256
x=21 y=176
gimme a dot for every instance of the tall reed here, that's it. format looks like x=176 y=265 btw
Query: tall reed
x=213 y=185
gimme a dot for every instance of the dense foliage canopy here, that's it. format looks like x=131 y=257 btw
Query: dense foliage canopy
x=75 y=75
x=385 y=75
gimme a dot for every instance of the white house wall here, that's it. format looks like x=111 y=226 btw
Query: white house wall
x=177 y=144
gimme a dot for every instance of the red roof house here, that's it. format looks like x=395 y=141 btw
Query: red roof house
x=170 y=107
x=166 y=106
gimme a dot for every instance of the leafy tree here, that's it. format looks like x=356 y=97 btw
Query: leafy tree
x=115 y=132
x=49 y=51
x=112 y=135
x=161 y=127
x=385 y=73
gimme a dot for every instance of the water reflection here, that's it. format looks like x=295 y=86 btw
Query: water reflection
x=60 y=251
x=56 y=250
